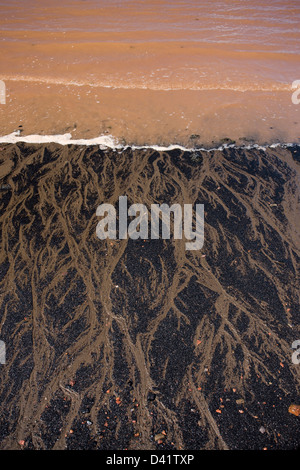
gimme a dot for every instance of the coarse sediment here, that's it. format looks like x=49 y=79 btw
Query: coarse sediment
x=110 y=343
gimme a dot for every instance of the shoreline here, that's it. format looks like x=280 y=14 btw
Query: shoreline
x=149 y=227
x=110 y=142
x=145 y=117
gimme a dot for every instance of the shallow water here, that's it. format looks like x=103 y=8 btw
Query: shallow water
x=152 y=72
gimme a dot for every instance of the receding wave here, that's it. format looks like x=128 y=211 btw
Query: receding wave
x=159 y=86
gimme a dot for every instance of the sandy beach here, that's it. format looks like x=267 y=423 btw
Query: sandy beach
x=152 y=72
x=140 y=344
x=125 y=344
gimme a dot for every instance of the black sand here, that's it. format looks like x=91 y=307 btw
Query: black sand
x=111 y=343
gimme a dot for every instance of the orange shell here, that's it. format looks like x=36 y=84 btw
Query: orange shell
x=294 y=409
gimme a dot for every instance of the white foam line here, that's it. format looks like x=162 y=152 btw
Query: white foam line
x=108 y=141
x=63 y=139
x=149 y=86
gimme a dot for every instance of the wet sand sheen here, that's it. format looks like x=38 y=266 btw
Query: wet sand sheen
x=150 y=117
x=58 y=61
x=109 y=343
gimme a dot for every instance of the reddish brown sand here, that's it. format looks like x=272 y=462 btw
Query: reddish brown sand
x=152 y=72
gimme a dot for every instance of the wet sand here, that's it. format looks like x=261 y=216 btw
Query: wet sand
x=150 y=117
x=152 y=72
x=111 y=343
x=140 y=344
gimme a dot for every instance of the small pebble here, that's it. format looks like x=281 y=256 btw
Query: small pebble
x=151 y=396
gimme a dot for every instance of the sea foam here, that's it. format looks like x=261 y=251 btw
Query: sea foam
x=110 y=142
